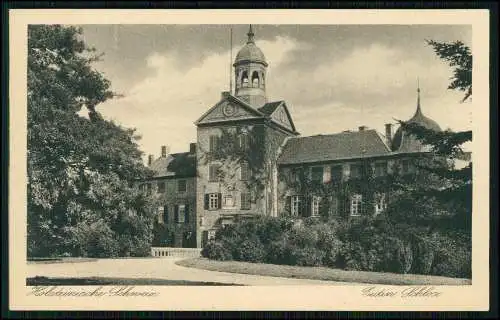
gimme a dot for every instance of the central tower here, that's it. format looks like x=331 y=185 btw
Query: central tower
x=250 y=73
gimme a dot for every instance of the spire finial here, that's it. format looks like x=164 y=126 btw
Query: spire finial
x=250 y=35
x=419 y=110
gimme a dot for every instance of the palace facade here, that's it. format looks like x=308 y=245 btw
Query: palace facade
x=249 y=159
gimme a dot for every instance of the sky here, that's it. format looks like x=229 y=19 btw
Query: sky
x=332 y=77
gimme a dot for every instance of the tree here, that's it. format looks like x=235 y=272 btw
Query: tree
x=454 y=194
x=81 y=172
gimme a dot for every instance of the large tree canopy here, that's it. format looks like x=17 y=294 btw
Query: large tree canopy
x=81 y=171
x=455 y=192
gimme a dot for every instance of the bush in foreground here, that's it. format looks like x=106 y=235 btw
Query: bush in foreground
x=364 y=245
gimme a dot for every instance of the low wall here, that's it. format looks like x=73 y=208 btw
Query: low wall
x=162 y=252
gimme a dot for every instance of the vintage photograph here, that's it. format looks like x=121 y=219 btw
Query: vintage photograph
x=263 y=160
x=249 y=154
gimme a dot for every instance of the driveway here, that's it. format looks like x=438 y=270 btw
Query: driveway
x=158 y=268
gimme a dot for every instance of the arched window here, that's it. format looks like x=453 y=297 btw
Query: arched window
x=255 y=79
x=244 y=79
x=262 y=79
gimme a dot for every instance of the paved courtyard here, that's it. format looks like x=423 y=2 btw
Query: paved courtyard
x=158 y=268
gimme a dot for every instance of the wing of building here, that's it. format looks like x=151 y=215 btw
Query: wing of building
x=249 y=156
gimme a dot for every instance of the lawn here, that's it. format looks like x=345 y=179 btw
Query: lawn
x=319 y=273
x=97 y=281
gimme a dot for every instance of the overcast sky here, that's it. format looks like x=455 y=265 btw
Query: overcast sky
x=333 y=78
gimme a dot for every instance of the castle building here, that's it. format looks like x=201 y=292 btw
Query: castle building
x=250 y=160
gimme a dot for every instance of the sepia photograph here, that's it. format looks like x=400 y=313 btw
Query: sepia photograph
x=236 y=154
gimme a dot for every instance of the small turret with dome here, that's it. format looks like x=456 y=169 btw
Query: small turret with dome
x=403 y=141
x=250 y=73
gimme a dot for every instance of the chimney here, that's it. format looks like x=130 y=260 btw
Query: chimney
x=192 y=148
x=164 y=151
x=388 y=133
x=362 y=128
x=224 y=94
x=150 y=160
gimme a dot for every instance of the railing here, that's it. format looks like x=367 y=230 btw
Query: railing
x=162 y=252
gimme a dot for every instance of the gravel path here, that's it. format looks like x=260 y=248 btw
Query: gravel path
x=159 y=268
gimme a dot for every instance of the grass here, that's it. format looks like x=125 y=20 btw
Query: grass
x=60 y=260
x=319 y=273
x=96 y=281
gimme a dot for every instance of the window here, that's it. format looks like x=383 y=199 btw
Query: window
x=181 y=213
x=380 y=169
x=336 y=173
x=255 y=79
x=161 y=187
x=148 y=188
x=160 y=215
x=380 y=203
x=245 y=201
x=317 y=174
x=213 y=143
x=213 y=201
x=296 y=206
x=244 y=174
x=228 y=201
x=165 y=214
x=213 y=172
x=243 y=141
x=356 y=203
x=211 y=234
x=356 y=170
x=295 y=175
x=181 y=185
x=405 y=166
x=315 y=201
x=244 y=79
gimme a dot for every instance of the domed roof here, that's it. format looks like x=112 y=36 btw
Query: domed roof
x=250 y=52
x=403 y=142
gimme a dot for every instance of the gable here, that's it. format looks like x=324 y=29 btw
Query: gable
x=229 y=110
x=282 y=116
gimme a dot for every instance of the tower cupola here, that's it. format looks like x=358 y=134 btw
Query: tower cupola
x=250 y=73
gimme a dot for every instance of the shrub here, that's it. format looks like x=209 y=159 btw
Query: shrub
x=271 y=229
x=423 y=256
x=217 y=250
x=329 y=244
x=251 y=250
x=277 y=251
x=452 y=256
x=304 y=256
x=96 y=240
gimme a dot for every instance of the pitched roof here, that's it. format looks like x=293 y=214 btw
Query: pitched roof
x=175 y=165
x=345 y=145
x=233 y=99
x=270 y=107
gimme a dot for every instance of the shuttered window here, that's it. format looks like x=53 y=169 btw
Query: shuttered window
x=317 y=174
x=355 y=171
x=297 y=206
x=213 y=201
x=244 y=171
x=165 y=214
x=336 y=173
x=356 y=205
x=161 y=187
x=315 y=203
x=380 y=169
x=213 y=143
x=245 y=201
x=181 y=186
x=213 y=172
